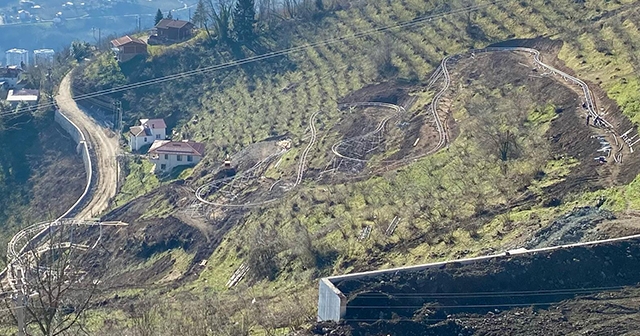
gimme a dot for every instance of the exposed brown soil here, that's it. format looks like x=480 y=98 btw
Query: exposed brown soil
x=58 y=173
x=577 y=291
x=630 y=167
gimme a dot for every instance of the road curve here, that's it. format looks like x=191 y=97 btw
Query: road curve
x=101 y=145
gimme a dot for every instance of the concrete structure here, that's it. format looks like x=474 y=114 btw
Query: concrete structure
x=43 y=56
x=145 y=134
x=17 y=57
x=83 y=149
x=167 y=154
x=128 y=47
x=15 y=97
x=10 y=75
x=332 y=302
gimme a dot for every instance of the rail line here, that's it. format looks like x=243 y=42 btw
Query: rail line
x=305 y=153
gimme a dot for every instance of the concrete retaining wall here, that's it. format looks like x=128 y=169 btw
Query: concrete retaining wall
x=332 y=303
x=83 y=149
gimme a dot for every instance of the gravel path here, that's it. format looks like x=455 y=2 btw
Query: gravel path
x=102 y=144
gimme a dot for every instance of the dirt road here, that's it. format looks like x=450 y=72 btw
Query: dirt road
x=102 y=143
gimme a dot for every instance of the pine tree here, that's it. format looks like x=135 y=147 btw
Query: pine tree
x=159 y=16
x=244 y=17
x=200 y=17
x=169 y=15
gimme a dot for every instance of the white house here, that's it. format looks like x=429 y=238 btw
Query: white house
x=167 y=154
x=15 y=97
x=149 y=131
x=10 y=75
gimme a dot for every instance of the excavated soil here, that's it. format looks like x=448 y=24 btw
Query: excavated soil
x=577 y=291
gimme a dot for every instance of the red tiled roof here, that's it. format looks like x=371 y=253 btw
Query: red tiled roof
x=170 y=23
x=153 y=123
x=177 y=147
x=126 y=40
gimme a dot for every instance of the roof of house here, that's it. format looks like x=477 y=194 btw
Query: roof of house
x=177 y=147
x=170 y=23
x=126 y=40
x=10 y=72
x=153 y=123
x=137 y=131
x=23 y=95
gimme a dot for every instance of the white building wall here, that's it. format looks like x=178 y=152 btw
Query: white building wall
x=135 y=143
x=16 y=56
x=171 y=161
x=43 y=56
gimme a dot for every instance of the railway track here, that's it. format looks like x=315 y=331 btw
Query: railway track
x=305 y=153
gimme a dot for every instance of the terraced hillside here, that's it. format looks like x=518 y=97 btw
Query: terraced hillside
x=469 y=197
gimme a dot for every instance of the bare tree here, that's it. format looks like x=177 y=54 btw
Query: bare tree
x=56 y=280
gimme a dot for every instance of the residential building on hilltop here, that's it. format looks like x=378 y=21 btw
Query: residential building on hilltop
x=145 y=134
x=128 y=47
x=171 y=30
x=167 y=154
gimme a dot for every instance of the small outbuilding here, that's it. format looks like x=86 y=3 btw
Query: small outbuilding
x=30 y=97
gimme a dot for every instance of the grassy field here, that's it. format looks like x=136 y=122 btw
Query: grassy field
x=314 y=231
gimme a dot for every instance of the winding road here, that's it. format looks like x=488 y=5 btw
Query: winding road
x=103 y=147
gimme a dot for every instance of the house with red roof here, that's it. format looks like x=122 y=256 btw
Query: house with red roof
x=167 y=154
x=128 y=47
x=149 y=131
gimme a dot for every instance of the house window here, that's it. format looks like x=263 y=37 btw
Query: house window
x=145 y=139
x=166 y=156
x=189 y=158
x=157 y=136
x=179 y=157
x=163 y=166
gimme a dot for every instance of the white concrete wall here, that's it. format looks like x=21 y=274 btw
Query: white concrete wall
x=83 y=149
x=331 y=300
x=157 y=134
x=171 y=161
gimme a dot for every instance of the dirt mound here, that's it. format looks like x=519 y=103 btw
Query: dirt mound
x=394 y=92
x=152 y=231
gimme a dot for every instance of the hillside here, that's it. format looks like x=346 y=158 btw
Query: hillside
x=41 y=175
x=377 y=187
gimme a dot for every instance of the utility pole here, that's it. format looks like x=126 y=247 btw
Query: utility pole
x=19 y=302
x=117 y=113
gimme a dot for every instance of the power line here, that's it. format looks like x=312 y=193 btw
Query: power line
x=407 y=24
x=453 y=295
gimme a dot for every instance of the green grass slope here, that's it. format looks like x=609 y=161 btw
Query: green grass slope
x=457 y=202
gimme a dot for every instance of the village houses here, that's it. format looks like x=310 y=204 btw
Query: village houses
x=167 y=154
x=169 y=30
x=128 y=47
x=29 y=97
x=9 y=77
x=149 y=131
